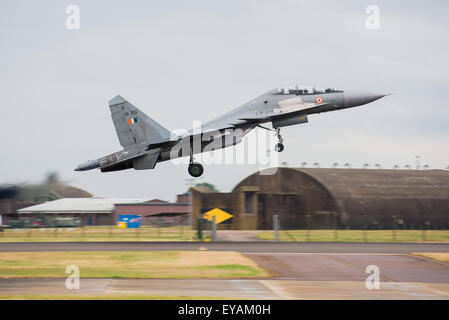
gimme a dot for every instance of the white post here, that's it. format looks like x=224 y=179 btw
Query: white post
x=276 y=227
x=214 y=228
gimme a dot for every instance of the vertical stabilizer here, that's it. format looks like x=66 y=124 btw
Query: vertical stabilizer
x=133 y=126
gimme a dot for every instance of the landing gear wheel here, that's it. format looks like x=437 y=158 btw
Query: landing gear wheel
x=196 y=169
x=279 y=147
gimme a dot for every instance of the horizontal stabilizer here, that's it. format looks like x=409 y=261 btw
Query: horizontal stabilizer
x=148 y=161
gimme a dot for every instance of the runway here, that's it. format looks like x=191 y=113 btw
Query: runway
x=297 y=271
x=243 y=247
x=351 y=267
x=293 y=276
x=231 y=289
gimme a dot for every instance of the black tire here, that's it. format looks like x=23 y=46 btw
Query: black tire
x=196 y=169
x=279 y=147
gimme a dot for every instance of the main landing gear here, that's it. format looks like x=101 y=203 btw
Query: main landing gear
x=279 y=146
x=195 y=169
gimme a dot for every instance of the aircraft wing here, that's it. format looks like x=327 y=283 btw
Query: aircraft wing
x=208 y=133
x=210 y=129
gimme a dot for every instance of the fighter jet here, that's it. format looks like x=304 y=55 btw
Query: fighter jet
x=145 y=142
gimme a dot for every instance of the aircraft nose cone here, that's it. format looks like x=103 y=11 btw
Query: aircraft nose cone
x=358 y=98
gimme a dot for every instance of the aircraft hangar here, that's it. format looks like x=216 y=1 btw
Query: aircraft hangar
x=319 y=198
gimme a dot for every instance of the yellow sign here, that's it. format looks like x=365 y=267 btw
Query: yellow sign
x=122 y=225
x=219 y=214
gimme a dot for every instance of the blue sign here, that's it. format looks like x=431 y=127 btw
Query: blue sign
x=132 y=220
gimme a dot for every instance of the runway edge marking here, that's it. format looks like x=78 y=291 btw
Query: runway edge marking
x=279 y=292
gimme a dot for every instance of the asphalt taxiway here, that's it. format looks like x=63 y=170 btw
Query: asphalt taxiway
x=243 y=247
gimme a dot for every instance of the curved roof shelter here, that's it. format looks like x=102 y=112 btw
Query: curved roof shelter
x=66 y=191
x=357 y=198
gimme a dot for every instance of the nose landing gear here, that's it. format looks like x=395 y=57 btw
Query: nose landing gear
x=279 y=146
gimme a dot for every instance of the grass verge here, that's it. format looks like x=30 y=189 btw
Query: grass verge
x=441 y=236
x=130 y=264
x=438 y=256
x=98 y=233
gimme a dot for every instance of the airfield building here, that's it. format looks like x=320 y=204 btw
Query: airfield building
x=105 y=211
x=333 y=198
x=91 y=211
x=157 y=212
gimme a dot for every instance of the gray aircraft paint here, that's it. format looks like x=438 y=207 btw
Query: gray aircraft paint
x=145 y=142
x=133 y=135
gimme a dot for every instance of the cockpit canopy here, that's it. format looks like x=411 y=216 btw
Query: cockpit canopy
x=302 y=90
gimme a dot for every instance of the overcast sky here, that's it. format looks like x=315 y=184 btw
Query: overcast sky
x=180 y=61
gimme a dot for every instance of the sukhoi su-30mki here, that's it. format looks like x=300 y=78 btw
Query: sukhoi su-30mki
x=145 y=142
